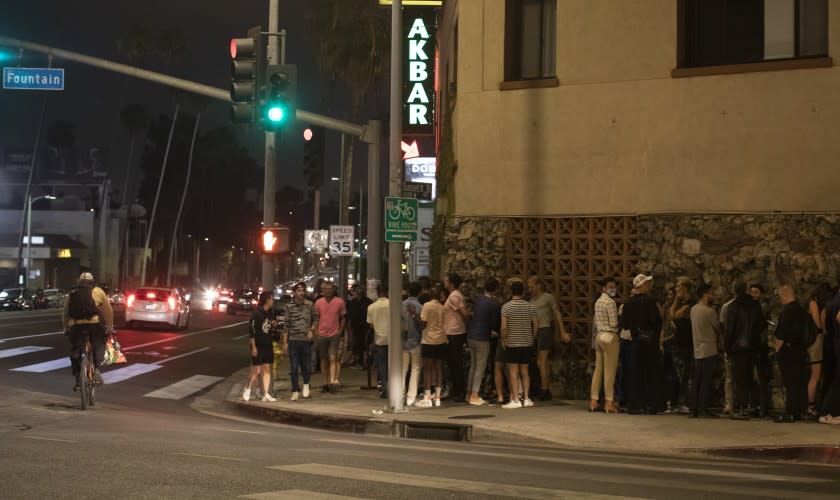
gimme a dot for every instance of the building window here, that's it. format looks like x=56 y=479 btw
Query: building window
x=530 y=39
x=720 y=32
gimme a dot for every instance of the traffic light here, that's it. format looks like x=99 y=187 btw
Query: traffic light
x=279 y=89
x=246 y=71
x=274 y=240
x=313 y=158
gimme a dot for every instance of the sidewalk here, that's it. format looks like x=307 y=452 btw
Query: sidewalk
x=565 y=423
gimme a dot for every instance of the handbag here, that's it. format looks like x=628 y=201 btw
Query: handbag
x=113 y=352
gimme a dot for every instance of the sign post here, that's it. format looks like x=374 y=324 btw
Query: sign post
x=400 y=219
x=33 y=78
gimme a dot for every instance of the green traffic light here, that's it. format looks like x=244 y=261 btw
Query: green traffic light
x=275 y=114
x=6 y=55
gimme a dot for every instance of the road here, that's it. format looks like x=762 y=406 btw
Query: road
x=146 y=438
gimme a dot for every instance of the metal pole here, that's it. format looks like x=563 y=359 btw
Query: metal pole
x=28 y=240
x=374 y=204
x=270 y=179
x=181 y=205
x=395 y=371
x=342 y=203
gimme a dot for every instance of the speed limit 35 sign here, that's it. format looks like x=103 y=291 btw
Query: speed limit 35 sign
x=341 y=240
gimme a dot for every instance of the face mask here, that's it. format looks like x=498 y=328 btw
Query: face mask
x=612 y=293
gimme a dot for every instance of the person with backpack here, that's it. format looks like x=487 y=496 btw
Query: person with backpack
x=87 y=310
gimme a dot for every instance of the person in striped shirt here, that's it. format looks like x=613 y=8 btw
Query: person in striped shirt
x=519 y=326
x=606 y=347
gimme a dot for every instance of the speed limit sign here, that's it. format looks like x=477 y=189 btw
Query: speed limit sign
x=341 y=240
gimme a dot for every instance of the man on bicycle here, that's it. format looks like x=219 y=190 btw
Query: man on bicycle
x=87 y=310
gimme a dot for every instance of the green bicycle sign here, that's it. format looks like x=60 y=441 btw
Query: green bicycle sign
x=400 y=219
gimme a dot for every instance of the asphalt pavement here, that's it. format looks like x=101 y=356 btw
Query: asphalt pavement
x=555 y=422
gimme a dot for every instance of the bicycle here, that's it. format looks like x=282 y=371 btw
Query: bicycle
x=87 y=381
x=401 y=209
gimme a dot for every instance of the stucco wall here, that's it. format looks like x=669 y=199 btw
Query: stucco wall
x=620 y=136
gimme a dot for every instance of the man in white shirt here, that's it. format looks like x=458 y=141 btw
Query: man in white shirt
x=378 y=316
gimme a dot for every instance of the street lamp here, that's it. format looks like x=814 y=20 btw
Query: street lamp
x=29 y=234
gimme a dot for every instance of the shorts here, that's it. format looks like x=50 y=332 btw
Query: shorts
x=327 y=346
x=545 y=338
x=433 y=351
x=815 y=352
x=265 y=355
x=519 y=355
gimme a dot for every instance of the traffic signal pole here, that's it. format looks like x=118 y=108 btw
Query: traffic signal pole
x=270 y=178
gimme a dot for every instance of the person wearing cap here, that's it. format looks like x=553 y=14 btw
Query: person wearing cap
x=643 y=318
x=94 y=325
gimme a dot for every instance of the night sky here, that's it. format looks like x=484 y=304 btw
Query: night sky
x=92 y=97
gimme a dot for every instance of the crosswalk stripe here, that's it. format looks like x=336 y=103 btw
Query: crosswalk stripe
x=295 y=494
x=184 y=388
x=46 y=366
x=125 y=373
x=8 y=353
x=439 y=483
x=597 y=463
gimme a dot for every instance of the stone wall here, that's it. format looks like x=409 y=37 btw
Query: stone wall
x=802 y=249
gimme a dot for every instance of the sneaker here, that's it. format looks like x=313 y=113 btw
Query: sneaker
x=527 y=403
x=436 y=401
x=424 y=403
x=97 y=377
x=409 y=402
x=295 y=396
x=246 y=394
x=833 y=420
x=478 y=402
x=682 y=410
x=727 y=410
x=305 y=393
x=268 y=399
x=514 y=403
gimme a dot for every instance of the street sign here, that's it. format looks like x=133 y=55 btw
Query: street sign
x=341 y=240
x=400 y=219
x=316 y=240
x=33 y=78
x=418 y=190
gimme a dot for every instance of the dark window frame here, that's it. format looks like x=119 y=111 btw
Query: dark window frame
x=685 y=48
x=513 y=43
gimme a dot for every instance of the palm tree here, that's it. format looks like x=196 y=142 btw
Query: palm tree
x=352 y=44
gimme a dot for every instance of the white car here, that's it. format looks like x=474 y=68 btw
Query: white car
x=157 y=305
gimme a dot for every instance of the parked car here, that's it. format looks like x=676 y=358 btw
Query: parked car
x=157 y=305
x=55 y=297
x=222 y=296
x=15 y=299
x=243 y=299
x=117 y=298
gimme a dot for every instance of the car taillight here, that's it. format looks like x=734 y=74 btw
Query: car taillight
x=130 y=300
x=151 y=295
x=254 y=302
x=171 y=303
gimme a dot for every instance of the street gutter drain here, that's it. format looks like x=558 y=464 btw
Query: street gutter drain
x=470 y=417
x=434 y=431
x=808 y=454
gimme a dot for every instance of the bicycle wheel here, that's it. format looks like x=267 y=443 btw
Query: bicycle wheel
x=83 y=380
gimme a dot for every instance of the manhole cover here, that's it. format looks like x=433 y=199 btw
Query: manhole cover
x=469 y=417
x=812 y=454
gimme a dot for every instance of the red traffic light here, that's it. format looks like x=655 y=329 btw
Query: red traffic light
x=274 y=240
x=233 y=48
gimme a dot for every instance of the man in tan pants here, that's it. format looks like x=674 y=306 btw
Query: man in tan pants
x=606 y=347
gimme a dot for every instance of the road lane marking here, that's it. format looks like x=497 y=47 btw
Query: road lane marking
x=232 y=430
x=182 y=355
x=8 y=353
x=595 y=463
x=185 y=387
x=241 y=336
x=125 y=373
x=183 y=336
x=438 y=483
x=46 y=366
x=39 y=438
x=36 y=322
x=30 y=336
x=232 y=459
x=295 y=494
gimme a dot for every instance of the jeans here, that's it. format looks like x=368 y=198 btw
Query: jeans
x=479 y=352
x=412 y=357
x=606 y=362
x=743 y=364
x=704 y=371
x=647 y=378
x=300 y=352
x=624 y=375
x=381 y=357
x=77 y=344
x=455 y=360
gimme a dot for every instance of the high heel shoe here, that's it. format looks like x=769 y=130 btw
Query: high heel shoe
x=593 y=405
x=610 y=407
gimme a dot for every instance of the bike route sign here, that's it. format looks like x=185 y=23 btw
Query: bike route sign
x=33 y=78
x=400 y=219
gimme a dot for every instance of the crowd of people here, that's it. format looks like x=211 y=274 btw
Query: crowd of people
x=650 y=358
